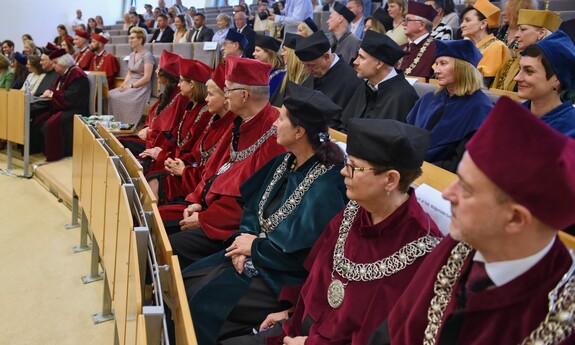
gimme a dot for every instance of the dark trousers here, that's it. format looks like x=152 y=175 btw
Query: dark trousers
x=193 y=245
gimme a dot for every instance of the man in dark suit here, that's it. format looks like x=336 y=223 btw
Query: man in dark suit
x=241 y=21
x=200 y=32
x=164 y=33
x=135 y=20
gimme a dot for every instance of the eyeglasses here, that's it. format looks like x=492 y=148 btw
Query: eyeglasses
x=226 y=90
x=405 y=20
x=350 y=169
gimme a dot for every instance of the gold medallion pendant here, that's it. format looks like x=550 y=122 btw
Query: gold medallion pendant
x=335 y=293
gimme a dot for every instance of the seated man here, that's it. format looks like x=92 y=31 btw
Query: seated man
x=421 y=46
x=214 y=214
x=368 y=253
x=346 y=44
x=200 y=32
x=85 y=55
x=164 y=33
x=385 y=93
x=502 y=276
x=104 y=61
x=235 y=44
x=328 y=73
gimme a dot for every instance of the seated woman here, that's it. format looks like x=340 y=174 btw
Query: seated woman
x=368 y=253
x=183 y=173
x=307 y=27
x=456 y=110
x=287 y=204
x=266 y=51
x=476 y=21
x=20 y=70
x=295 y=71
x=533 y=26
x=181 y=33
x=99 y=24
x=68 y=45
x=397 y=9
x=6 y=73
x=36 y=74
x=193 y=77
x=62 y=32
x=546 y=69
x=127 y=102
x=224 y=22
x=508 y=31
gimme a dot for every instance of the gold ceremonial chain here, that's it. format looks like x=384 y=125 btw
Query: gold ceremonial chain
x=270 y=224
x=504 y=71
x=102 y=58
x=82 y=56
x=385 y=267
x=417 y=58
x=487 y=44
x=238 y=156
x=206 y=154
x=182 y=143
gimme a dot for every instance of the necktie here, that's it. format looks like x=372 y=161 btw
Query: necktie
x=478 y=279
x=195 y=35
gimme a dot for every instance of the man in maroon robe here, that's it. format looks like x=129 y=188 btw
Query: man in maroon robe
x=420 y=50
x=69 y=96
x=102 y=60
x=503 y=276
x=214 y=213
x=84 y=56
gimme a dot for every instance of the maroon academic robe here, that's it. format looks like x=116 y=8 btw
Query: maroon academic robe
x=183 y=135
x=222 y=216
x=181 y=186
x=168 y=117
x=106 y=62
x=71 y=93
x=499 y=315
x=423 y=68
x=366 y=304
x=84 y=58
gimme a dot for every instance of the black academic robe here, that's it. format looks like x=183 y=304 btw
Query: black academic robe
x=46 y=83
x=339 y=83
x=251 y=36
x=393 y=100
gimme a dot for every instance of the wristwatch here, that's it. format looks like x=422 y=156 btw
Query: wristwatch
x=131 y=86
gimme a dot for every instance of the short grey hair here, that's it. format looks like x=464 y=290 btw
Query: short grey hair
x=65 y=61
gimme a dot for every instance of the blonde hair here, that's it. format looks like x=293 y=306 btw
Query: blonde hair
x=274 y=58
x=401 y=4
x=214 y=85
x=4 y=62
x=199 y=92
x=31 y=46
x=467 y=78
x=306 y=29
x=226 y=19
x=515 y=6
x=376 y=25
x=295 y=70
x=140 y=33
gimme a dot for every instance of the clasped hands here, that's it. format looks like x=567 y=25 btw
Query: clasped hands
x=240 y=250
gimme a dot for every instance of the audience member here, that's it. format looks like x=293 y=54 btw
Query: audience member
x=181 y=33
x=307 y=27
x=369 y=252
x=6 y=73
x=397 y=9
x=127 y=102
x=546 y=69
x=53 y=130
x=180 y=6
x=30 y=48
x=223 y=22
x=296 y=72
x=421 y=47
x=35 y=74
x=164 y=33
x=50 y=76
x=149 y=16
x=85 y=55
x=328 y=6
x=103 y=61
x=62 y=33
x=235 y=44
x=93 y=27
x=376 y=24
x=294 y=12
x=454 y=112
x=346 y=44
x=356 y=25
x=503 y=259
x=200 y=32
x=326 y=69
x=508 y=30
x=450 y=15
x=385 y=93
x=78 y=21
x=533 y=26
x=214 y=214
x=8 y=49
x=136 y=22
x=68 y=45
x=20 y=70
x=267 y=51
x=476 y=22
x=100 y=23
x=441 y=30
x=240 y=19
x=127 y=21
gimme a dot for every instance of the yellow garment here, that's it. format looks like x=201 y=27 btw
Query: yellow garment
x=398 y=35
x=495 y=54
x=506 y=74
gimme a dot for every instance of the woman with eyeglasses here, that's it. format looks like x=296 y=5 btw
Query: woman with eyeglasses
x=368 y=253
x=287 y=204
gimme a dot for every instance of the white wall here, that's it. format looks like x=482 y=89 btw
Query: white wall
x=40 y=18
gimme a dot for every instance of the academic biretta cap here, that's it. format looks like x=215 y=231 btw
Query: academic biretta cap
x=69 y=38
x=99 y=38
x=560 y=52
x=235 y=36
x=540 y=18
x=530 y=161
x=194 y=70
x=490 y=11
x=290 y=40
x=421 y=10
x=312 y=25
x=387 y=142
x=57 y=53
x=170 y=63
x=247 y=71
x=344 y=11
x=21 y=58
x=267 y=42
x=83 y=34
x=51 y=47
x=384 y=18
x=219 y=76
x=308 y=105
x=312 y=47
x=381 y=47
x=459 y=49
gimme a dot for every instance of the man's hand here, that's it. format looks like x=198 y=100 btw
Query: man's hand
x=190 y=223
x=174 y=167
x=152 y=153
x=273 y=318
x=143 y=133
x=242 y=245
x=192 y=209
x=294 y=341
